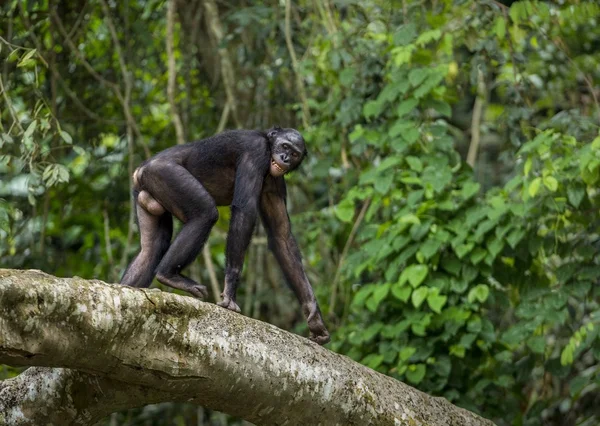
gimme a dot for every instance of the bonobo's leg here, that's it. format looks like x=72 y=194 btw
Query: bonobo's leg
x=155 y=235
x=281 y=241
x=248 y=185
x=181 y=194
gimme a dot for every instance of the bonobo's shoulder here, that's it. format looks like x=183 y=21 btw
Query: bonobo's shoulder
x=244 y=135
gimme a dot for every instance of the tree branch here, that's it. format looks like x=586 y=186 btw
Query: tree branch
x=150 y=345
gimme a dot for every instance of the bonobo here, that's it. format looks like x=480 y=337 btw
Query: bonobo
x=241 y=168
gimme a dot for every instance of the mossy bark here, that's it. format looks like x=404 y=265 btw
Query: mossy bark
x=143 y=346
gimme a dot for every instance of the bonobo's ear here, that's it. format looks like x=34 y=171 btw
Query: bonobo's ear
x=273 y=132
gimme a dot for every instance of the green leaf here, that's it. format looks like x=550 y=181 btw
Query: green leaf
x=479 y=292
x=419 y=295
x=384 y=183
x=462 y=249
x=537 y=344
x=527 y=167
x=534 y=187
x=417 y=75
x=500 y=28
x=515 y=236
x=414 y=163
x=406 y=352
x=379 y=294
x=494 y=246
x=345 y=210
x=30 y=129
x=469 y=189
x=66 y=137
x=406 y=106
x=477 y=255
x=415 y=373
x=551 y=183
x=372 y=109
x=440 y=106
x=372 y=360
x=26 y=59
x=428 y=36
x=415 y=274
x=409 y=218
x=401 y=292
x=575 y=194
x=436 y=301
x=405 y=34
x=430 y=247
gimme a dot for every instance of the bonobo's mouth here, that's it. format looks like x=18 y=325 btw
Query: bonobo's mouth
x=276 y=170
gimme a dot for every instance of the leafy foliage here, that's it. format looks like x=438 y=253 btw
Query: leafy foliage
x=479 y=284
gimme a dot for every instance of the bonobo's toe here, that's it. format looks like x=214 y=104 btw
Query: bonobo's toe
x=320 y=339
x=227 y=303
x=199 y=291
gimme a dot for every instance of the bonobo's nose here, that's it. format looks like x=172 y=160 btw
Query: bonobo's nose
x=285 y=158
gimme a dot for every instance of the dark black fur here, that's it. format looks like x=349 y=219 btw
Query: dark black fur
x=243 y=169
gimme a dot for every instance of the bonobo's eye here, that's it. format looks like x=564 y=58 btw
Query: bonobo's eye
x=295 y=154
x=285 y=146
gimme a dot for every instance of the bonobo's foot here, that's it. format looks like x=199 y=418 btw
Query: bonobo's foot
x=183 y=283
x=229 y=303
x=316 y=326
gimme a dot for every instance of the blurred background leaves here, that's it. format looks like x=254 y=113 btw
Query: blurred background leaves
x=447 y=212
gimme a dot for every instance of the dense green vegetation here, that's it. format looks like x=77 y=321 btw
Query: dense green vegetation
x=448 y=210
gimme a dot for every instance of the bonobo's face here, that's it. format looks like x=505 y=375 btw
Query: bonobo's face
x=287 y=150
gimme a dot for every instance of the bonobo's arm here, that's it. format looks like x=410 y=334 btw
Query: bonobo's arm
x=281 y=241
x=248 y=183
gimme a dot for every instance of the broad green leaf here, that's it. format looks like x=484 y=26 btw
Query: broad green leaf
x=479 y=293
x=575 y=194
x=345 y=210
x=462 y=249
x=415 y=274
x=372 y=109
x=551 y=183
x=390 y=161
x=537 y=344
x=384 y=183
x=416 y=373
x=405 y=34
x=494 y=246
x=419 y=295
x=534 y=187
x=401 y=292
x=417 y=75
x=406 y=352
x=430 y=248
x=378 y=295
x=409 y=218
x=515 y=236
x=428 y=36
x=414 y=163
x=436 y=301
x=478 y=255
x=406 y=106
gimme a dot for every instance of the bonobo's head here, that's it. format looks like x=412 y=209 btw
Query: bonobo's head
x=287 y=150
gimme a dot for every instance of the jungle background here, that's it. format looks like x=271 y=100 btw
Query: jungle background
x=448 y=211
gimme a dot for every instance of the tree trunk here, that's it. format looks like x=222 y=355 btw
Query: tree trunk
x=133 y=347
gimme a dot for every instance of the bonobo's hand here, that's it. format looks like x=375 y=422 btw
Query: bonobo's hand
x=229 y=303
x=318 y=331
